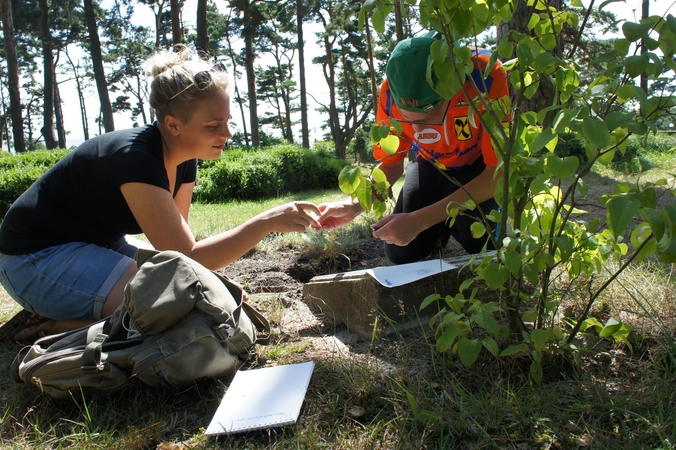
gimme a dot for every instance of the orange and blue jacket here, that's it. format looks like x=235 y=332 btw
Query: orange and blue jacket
x=455 y=144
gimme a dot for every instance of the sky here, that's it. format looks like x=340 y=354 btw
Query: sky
x=626 y=9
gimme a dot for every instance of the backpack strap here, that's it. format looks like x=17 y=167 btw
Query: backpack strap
x=91 y=357
x=260 y=322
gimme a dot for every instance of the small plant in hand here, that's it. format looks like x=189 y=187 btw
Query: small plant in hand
x=543 y=229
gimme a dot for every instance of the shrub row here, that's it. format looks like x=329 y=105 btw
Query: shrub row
x=237 y=175
x=629 y=162
x=18 y=172
x=243 y=174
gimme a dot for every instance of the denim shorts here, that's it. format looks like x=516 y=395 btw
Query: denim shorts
x=69 y=281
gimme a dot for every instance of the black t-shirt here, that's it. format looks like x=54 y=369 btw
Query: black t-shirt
x=79 y=199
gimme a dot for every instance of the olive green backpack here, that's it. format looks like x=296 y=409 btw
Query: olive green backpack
x=179 y=323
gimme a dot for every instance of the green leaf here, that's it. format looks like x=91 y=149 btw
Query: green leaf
x=539 y=338
x=378 y=175
x=389 y=144
x=666 y=246
x=490 y=345
x=635 y=31
x=415 y=409
x=511 y=260
x=349 y=179
x=532 y=273
x=611 y=326
x=379 y=208
x=383 y=131
x=596 y=132
x=566 y=246
x=622 y=46
x=619 y=213
x=562 y=167
x=542 y=139
x=590 y=322
x=378 y=21
x=529 y=316
x=468 y=351
x=397 y=127
x=636 y=65
x=375 y=134
x=486 y=321
x=364 y=194
x=515 y=350
x=563 y=119
x=362 y=14
x=445 y=341
x=478 y=229
x=496 y=275
x=605 y=57
x=429 y=300
x=618 y=119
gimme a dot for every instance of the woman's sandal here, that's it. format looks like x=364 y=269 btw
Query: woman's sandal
x=21 y=321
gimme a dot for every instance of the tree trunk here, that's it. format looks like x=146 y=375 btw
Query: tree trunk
x=80 y=96
x=13 y=76
x=202 y=42
x=97 y=65
x=398 y=21
x=48 y=69
x=372 y=68
x=238 y=97
x=334 y=120
x=58 y=112
x=176 y=31
x=250 y=59
x=305 y=129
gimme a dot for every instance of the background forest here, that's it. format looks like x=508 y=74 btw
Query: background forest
x=97 y=45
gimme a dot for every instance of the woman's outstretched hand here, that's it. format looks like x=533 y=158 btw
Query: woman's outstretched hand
x=292 y=216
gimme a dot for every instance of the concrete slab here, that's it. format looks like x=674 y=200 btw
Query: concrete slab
x=365 y=306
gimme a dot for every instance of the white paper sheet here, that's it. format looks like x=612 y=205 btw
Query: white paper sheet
x=401 y=274
x=262 y=398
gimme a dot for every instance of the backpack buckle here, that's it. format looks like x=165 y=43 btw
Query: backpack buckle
x=225 y=331
x=91 y=357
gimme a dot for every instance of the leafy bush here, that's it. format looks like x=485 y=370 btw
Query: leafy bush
x=639 y=146
x=18 y=172
x=240 y=174
x=244 y=174
x=569 y=144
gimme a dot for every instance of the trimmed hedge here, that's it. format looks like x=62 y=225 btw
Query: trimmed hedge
x=18 y=172
x=239 y=174
x=242 y=174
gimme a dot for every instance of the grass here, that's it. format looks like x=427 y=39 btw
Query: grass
x=395 y=392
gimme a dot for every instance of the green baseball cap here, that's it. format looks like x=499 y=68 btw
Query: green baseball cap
x=407 y=74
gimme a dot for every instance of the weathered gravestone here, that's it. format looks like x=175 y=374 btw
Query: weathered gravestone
x=357 y=300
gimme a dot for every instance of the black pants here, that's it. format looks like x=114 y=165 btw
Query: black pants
x=425 y=185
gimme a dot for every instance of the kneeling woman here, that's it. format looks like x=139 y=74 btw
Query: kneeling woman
x=63 y=252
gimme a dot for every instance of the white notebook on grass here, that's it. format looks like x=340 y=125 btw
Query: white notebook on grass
x=262 y=398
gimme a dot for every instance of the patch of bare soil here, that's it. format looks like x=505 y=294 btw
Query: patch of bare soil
x=274 y=282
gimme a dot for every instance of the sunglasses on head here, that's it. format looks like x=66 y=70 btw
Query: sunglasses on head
x=202 y=79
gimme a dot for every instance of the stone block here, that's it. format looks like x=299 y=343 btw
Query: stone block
x=365 y=306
